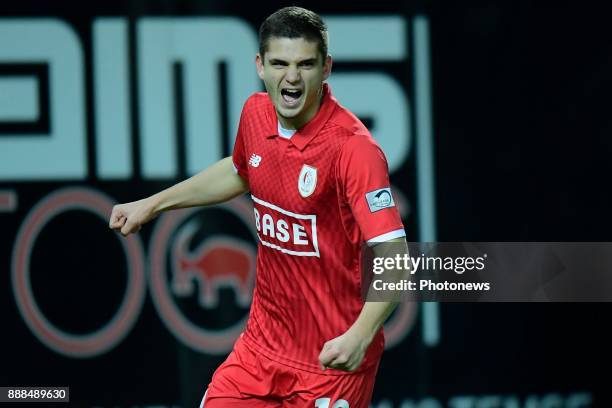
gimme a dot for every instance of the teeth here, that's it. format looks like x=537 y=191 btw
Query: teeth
x=292 y=92
x=291 y=96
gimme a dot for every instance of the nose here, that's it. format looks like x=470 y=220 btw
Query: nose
x=293 y=74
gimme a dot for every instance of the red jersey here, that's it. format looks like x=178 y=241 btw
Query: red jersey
x=317 y=197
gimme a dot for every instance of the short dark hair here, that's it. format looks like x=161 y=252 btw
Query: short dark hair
x=294 y=22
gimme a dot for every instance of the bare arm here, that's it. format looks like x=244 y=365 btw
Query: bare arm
x=374 y=314
x=213 y=185
x=347 y=351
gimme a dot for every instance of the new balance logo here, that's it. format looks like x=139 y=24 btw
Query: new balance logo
x=255 y=160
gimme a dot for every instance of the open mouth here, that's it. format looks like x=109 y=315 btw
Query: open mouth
x=291 y=96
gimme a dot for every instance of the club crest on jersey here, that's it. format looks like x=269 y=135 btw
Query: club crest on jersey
x=307 y=181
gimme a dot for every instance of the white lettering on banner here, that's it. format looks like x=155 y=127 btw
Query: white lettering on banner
x=59 y=154
x=549 y=400
x=374 y=38
x=19 y=99
x=113 y=99
x=192 y=43
x=270 y=226
x=199 y=44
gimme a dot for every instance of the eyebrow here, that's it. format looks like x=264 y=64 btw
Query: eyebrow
x=302 y=62
x=308 y=61
x=277 y=61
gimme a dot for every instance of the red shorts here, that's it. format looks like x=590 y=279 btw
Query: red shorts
x=248 y=379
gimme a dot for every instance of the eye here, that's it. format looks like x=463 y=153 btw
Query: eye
x=278 y=64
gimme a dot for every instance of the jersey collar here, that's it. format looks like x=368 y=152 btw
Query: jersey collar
x=303 y=136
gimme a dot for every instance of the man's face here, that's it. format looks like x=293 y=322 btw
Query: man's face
x=293 y=74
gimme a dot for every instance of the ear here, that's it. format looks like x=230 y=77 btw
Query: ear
x=259 y=64
x=327 y=67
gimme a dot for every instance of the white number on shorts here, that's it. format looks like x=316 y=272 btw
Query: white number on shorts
x=324 y=403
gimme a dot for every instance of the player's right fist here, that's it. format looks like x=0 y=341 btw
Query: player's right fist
x=129 y=217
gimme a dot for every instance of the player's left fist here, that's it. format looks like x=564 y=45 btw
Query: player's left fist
x=345 y=352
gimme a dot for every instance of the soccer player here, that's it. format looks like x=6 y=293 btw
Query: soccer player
x=320 y=188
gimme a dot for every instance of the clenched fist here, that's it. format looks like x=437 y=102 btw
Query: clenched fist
x=129 y=217
x=345 y=352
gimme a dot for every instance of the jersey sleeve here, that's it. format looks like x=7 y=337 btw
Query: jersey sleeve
x=364 y=176
x=239 y=154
